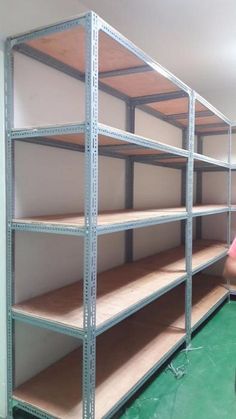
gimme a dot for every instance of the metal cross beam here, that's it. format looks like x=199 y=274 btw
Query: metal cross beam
x=125 y=71
x=159 y=115
x=199 y=114
x=159 y=97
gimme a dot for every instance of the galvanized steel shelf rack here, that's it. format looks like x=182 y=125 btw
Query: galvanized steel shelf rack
x=118 y=144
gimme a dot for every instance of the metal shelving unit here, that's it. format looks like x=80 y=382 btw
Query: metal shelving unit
x=141 y=83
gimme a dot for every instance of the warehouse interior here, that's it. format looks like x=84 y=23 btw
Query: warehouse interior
x=118 y=209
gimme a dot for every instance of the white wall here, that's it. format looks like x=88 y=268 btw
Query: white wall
x=216 y=146
x=2 y=247
x=50 y=180
x=214 y=187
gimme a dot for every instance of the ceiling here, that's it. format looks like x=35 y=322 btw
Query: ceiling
x=196 y=40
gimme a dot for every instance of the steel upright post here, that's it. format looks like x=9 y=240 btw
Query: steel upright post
x=129 y=182
x=10 y=215
x=189 y=204
x=90 y=210
x=229 y=186
x=199 y=188
x=183 y=185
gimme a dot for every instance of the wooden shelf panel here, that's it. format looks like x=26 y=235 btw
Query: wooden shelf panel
x=63 y=46
x=142 y=80
x=232 y=286
x=113 y=217
x=120 y=289
x=111 y=141
x=124 y=355
x=207 y=292
x=106 y=218
x=198 y=209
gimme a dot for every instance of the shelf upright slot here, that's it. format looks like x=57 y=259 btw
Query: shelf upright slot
x=9 y=68
x=90 y=213
x=189 y=222
x=183 y=184
x=199 y=177
x=229 y=186
x=229 y=194
x=129 y=182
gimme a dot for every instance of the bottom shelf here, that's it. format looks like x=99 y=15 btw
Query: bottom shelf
x=232 y=288
x=127 y=354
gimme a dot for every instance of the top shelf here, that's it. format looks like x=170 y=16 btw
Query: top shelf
x=124 y=71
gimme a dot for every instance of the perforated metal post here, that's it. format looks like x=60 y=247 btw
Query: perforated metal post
x=229 y=186
x=90 y=210
x=229 y=194
x=183 y=185
x=199 y=176
x=10 y=214
x=129 y=182
x=189 y=203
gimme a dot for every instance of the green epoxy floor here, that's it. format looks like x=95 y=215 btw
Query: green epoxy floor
x=207 y=390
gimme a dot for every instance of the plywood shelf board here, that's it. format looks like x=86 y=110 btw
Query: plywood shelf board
x=112 y=56
x=119 y=289
x=105 y=141
x=105 y=218
x=169 y=310
x=112 y=217
x=62 y=46
x=124 y=355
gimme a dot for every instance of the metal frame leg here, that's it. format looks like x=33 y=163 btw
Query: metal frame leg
x=9 y=66
x=229 y=195
x=183 y=185
x=129 y=182
x=91 y=203
x=199 y=189
x=189 y=203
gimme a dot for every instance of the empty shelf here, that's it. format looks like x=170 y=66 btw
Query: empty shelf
x=122 y=69
x=108 y=221
x=207 y=209
x=126 y=355
x=203 y=161
x=208 y=292
x=111 y=221
x=232 y=287
x=123 y=72
x=121 y=290
x=112 y=142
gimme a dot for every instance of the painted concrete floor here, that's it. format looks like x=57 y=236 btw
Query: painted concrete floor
x=207 y=388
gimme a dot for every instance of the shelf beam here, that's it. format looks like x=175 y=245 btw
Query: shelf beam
x=125 y=71
x=159 y=97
